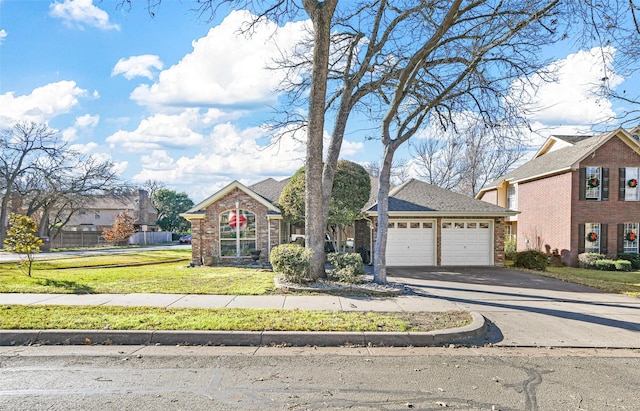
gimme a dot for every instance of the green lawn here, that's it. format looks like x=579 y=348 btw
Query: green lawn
x=611 y=281
x=148 y=272
x=149 y=318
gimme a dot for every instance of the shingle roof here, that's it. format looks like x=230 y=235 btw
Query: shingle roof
x=418 y=196
x=270 y=189
x=572 y=139
x=554 y=161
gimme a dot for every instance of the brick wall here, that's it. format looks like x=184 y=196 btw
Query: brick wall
x=206 y=232
x=613 y=155
x=544 y=222
x=551 y=210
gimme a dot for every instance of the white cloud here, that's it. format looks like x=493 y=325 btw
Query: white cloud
x=3 y=35
x=81 y=13
x=160 y=131
x=43 y=104
x=572 y=97
x=228 y=154
x=137 y=66
x=83 y=124
x=225 y=67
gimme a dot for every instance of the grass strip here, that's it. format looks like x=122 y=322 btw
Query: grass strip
x=23 y=317
x=610 y=281
x=161 y=278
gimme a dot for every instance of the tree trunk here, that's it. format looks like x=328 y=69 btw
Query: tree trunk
x=384 y=179
x=321 y=14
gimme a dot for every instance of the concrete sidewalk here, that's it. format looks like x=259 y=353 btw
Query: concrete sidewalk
x=410 y=303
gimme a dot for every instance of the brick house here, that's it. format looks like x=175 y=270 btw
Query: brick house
x=428 y=225
x=578 y=194
x=100 y=211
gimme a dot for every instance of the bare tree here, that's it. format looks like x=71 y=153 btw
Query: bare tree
x=56 y=188
x=439 y=160
x=469 y=54
x=467 y=158
x=23 y=148
x=321 y=15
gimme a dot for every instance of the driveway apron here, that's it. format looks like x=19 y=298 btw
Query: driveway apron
x=526 y=309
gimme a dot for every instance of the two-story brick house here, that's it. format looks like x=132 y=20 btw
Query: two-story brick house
x=578 y=194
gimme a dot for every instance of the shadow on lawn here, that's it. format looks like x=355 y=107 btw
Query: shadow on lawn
x=67 y=285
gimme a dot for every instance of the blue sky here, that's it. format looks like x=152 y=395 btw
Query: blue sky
x=180 y=100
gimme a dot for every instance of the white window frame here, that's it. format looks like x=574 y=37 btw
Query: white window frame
x=630 y=247
x=592 y=247
x=593 y=193
x=232 y=238
x=631 y=193
x=512 y=197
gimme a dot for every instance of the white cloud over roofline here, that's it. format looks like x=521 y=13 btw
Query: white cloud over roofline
x=81 y=14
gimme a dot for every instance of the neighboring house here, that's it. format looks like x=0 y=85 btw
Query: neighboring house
x=578 y=194
x=100 y=212
x=428 y=225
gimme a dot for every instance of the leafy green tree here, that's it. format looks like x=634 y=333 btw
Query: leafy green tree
x=123 y=228
x=291 y=201
x=169 y=204
x=22 y=239
x=351 y=190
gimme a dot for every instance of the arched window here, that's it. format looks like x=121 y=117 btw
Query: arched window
x=237 y=233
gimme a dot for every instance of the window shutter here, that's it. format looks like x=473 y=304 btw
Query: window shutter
x=604 y=237
x=582 y=190
x=621 y=183
x=620 y=238
x=581 y=238
x=605 y=185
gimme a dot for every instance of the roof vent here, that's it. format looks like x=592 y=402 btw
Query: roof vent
x=636 y=137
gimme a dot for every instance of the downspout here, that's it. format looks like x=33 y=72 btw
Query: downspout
x=370 y=239
x=268 y=238
x=238 y=230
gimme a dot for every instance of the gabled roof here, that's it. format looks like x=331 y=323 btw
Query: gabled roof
x=270 y=188
x=561 y=160
x=198 y=210
x=416 y=196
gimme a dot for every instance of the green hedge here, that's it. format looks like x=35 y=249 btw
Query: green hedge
x=531 y=259
x=633 y=258
x=292 y=261
x=347 y=267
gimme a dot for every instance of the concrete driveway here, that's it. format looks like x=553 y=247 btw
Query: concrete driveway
x=530 y=310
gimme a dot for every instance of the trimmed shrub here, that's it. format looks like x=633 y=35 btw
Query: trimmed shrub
x=510 y=249
x=292 y=261
x=634 y=259
x=588 y=260
x=531 y=259
x=347 y=267
x=623 y=265
x=605 y=265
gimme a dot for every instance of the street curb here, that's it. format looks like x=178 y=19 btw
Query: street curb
x=476 y=329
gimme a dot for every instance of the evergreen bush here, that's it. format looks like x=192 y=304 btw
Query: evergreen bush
x=531 y=259
x=292 y=261
x=347 y=267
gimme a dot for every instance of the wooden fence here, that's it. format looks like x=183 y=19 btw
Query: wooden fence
x=73 y=239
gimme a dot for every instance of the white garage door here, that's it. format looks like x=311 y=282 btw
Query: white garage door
x=466 y=242
x=410 y=243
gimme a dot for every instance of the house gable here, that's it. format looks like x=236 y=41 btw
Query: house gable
x=198 y=211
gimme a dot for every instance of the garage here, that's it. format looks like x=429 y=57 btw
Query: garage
x=467 y=242
x=411 y=243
